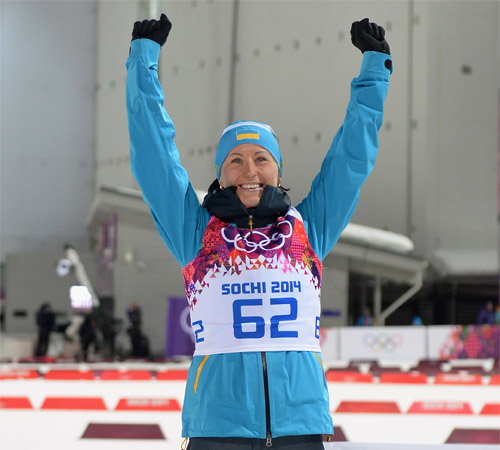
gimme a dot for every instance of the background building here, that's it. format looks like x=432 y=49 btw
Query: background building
x=65 y=169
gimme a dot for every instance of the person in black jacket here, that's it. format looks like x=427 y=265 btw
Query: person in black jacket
x=45 y=319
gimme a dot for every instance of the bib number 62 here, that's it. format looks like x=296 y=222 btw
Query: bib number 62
x=259 y=324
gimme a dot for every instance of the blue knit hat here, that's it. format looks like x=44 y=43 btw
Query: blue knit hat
x=247 y=132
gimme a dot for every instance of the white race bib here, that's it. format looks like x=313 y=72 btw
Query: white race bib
x=258 y=310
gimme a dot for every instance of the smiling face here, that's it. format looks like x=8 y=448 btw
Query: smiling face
x=249 y=167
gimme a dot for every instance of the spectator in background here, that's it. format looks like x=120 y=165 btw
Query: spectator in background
x=486 y=315
x=134 y=315
x=497 y=315
x=2 y=310
x=416 y=321
x=109 y=327
x=45 y=319
x=366 y=319
x=139 y=342
x=87 y=333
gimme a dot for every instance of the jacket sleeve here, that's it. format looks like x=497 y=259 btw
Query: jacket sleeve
x=334 y=194
x=154 y=157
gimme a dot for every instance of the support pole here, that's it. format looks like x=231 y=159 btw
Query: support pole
x=419 y=281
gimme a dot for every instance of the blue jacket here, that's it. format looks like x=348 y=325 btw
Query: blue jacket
x=225 y=393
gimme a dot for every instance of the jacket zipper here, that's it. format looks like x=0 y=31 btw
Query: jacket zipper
x=250 y=223
x=269 y=442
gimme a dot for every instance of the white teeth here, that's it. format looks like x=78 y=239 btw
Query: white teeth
x=250 y=186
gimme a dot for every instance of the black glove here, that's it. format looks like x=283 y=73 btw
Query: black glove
x=156 y=30
x=369 y=37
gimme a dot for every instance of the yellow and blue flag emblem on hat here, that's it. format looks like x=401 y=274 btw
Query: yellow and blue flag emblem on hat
x=241 y=136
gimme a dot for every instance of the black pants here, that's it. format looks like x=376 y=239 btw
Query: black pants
x=42 y=344
x=312 y=442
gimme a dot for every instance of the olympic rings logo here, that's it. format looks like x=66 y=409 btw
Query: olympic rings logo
x=273 y=242
x=382 y=341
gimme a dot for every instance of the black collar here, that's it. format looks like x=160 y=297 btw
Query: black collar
x=226 y=205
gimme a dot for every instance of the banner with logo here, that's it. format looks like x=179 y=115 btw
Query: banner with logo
x=464 y=341
x=388 y=343
x=179 y=336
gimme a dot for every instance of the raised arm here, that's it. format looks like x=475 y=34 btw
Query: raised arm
x=153 y=154
x=334 y=194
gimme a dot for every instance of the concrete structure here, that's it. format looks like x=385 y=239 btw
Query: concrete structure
x=64 y=131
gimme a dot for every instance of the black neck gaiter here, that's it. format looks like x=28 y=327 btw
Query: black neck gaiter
x=226 y=206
